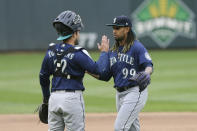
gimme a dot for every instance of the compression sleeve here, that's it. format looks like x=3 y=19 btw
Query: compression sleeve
x=44 y=77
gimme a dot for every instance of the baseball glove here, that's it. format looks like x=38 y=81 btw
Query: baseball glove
x=43 y=111
x=142 y=79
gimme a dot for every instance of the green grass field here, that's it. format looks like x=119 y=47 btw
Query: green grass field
x=173 y=86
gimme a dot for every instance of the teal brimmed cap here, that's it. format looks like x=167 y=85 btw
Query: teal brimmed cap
x=122 y=21
x=64 y=37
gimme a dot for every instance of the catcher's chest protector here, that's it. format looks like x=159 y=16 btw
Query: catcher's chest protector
x=59 y=55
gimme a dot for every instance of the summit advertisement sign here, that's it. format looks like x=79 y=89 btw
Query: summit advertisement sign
x=163 y=21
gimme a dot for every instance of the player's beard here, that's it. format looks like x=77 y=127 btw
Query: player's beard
x=118 y=39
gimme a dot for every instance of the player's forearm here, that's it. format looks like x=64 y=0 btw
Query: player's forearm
x=45 y=83
x=149 y=70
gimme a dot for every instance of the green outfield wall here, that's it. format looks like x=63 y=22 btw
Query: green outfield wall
x=27 y=24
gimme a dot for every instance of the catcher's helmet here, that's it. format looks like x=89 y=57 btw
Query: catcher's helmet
x=67 y=20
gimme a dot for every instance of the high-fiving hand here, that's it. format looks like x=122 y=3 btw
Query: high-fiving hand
x=104 y=46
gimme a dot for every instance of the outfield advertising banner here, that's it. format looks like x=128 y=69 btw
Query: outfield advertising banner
x=164 y=21
x=158 y=24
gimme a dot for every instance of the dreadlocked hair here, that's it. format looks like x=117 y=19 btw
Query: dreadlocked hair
x=129 y=41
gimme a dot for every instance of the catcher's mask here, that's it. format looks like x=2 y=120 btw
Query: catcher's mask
x=66 y=24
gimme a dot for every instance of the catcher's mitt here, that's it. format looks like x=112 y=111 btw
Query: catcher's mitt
x=142 y=79
x=43 y=113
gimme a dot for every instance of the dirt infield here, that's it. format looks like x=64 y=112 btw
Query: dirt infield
x=104 y=122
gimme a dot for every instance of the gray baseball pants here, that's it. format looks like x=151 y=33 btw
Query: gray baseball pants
x=66 y=109
x=129 y=104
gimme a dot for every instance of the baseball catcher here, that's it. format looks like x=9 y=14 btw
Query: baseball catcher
x=66 y=63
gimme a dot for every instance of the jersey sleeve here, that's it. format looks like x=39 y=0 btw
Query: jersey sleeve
x=144 y=58
x=104 y=66
x=44 y=76
x=84 y=60
x=88 y=64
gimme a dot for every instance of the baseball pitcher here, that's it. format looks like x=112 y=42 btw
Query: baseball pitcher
x=131 y=66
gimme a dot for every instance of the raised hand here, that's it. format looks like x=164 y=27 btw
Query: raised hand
x=104 y=46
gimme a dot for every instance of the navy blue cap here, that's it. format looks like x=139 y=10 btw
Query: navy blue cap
x=121 y=21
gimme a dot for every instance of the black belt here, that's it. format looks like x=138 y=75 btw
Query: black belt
x=121 y=89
